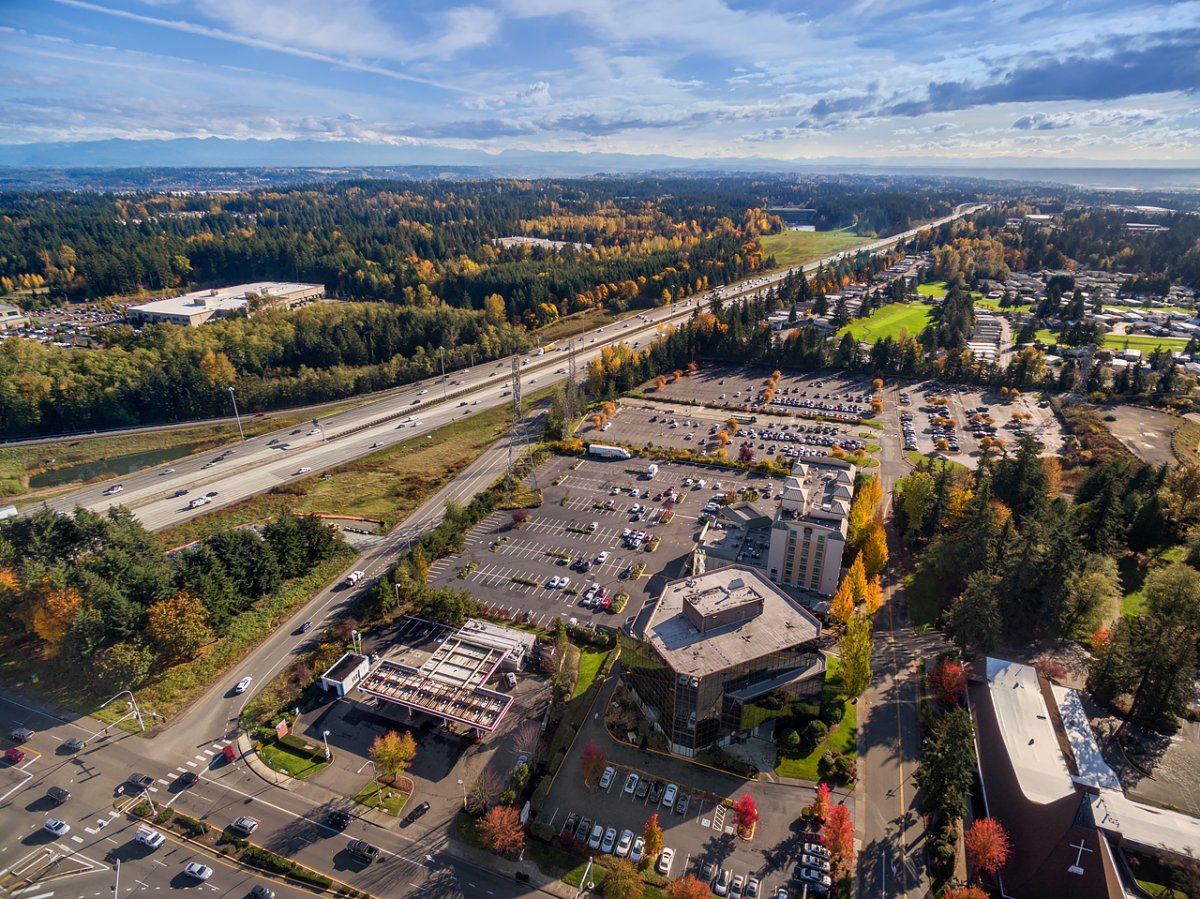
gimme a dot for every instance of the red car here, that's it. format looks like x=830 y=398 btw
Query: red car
x=15 y=756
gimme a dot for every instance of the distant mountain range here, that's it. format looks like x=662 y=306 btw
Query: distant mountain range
x=333 y=160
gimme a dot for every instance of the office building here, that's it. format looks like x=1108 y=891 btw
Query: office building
x=808 y=535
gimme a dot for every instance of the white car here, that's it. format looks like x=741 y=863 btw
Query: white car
x=606 y=778
x=554 y=582
x=242 y=685
x=609 y=841
x=197 y=870
x=625 y=843
x=115 y=488
x=56 y=827
x=314 y=432
x=168 y=471
x=602 y=558
x=564 y=583
x=665 y=860
x=147 y=836
x=377 y=443
x=304 y=470
x=815 y=862
x=423 y=392
x=815 y=877
x=631 y=783
x=669 y=795
x=639 y=847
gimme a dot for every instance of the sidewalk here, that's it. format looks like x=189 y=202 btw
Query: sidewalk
x=316 y=794
x=493 y=864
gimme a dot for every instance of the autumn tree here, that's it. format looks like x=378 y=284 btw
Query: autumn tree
x=54 y=613
x=392 y=753
x=745 y=812
x=948 y=680
x=874 y=598
x=875 y=551
x=855 y=647
x=593 y=763
x=988 y=845
x=493 y=309
x=857 y=576
x=839 y=840
x=842 y=607
x=500 y=831
x=652 y=833
x=178 y=627
x=965 y=892
x=688 y=888
x=623 y=881
x=818 y=809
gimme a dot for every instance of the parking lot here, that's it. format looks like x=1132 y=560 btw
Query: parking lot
x=955 y=420
x=545 y=566
x=697 y=823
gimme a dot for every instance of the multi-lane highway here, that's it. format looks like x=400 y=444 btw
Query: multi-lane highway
x=161 y=497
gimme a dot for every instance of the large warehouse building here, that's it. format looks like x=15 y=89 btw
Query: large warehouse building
x=197 y=307
x=709 y=646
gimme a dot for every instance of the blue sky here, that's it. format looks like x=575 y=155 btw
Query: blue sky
x=884 y=79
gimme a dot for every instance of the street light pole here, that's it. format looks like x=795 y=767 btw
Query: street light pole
x=374 y=777
x=241 y=433
x=442 y=350
x=464 y=786
x=584 y=881
x=117 y=882
x=132 y=704
x=325 y=740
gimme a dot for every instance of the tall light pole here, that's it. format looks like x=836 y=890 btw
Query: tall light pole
x=325 y=740
x=374 y=777
x=241 y=433
x=585 y=881
x=117 y=881
x=132 y=704
x=442 y=351
x=464 y=786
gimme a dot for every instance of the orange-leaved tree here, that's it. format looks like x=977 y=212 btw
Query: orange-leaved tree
x=988 y=845
x=500 y=830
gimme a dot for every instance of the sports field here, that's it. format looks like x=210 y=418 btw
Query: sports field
x=889 y=321
x=797 y=247
x=1144 y=342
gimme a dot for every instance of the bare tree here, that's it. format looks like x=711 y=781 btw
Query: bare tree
x=485 y=789
x=527 y=739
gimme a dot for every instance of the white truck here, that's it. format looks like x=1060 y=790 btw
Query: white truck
x=609 y=452
x=198 y=502
x=651 y=470
x=355 y=577
x=149 y=837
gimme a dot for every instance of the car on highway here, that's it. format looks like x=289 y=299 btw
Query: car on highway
x=304 y=628
x=243 y=684
x=303 y=470
x=179 y=493
x=56 y=827
x=168 y=471
x=376 y=444
x=115 y=488
x=339 y=819
x=58 y=795
x=73 y=745
x=423 y=392
x=314 y=432
x=197 y=870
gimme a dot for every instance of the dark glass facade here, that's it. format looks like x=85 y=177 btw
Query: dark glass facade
x=696 y=712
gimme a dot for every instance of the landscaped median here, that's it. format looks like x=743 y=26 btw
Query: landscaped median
x=223 y=843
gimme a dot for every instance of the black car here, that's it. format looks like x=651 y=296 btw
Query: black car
x=181 y=493
x=187 y=778
x=211 y=494
x=305 y=628
x=141 y=781
x=416 y=813
x=340 y=820
x=261 y=892
x=58 y=795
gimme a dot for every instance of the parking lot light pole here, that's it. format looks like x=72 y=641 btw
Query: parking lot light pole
x=464 y=786
x=241 y=433
x=585 y=882
x=374 y=777
x=325 y=740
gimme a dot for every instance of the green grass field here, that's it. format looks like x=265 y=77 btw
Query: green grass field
x=994 y=306
x=796 y=247
x=841 y=739
x=934 y=289
x=1143 y=342
x=889 y=321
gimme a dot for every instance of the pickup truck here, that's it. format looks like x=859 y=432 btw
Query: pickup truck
x=361 y=849
x=355 y=577
x=198 y=502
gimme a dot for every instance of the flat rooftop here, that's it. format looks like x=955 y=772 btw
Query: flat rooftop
x=345 y=666
x=783 y=622
x=226 y=299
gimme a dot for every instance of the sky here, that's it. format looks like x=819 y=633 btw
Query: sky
x=1114 y=82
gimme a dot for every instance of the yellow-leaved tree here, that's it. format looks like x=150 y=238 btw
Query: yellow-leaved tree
x=874 y=600
x=54 y=613
x=875 y=551
x=857 y=576
x=842 y=606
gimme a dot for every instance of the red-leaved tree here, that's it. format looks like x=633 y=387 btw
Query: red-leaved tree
x=688 y=888
x=500 y=830
x=948 y=681
x=988 y=845
x=593 y=762
x=745 y=812
x=839 y=840
x=818 y=809
x=964 y=893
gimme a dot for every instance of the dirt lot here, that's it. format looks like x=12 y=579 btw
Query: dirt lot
x=511 y=566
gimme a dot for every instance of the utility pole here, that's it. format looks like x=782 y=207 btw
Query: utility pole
x=241 y=433
x=442 y=351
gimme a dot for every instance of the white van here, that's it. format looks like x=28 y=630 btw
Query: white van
x=149 y=837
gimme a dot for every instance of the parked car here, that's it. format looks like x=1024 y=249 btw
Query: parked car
x=609 y=841
x=625 y=843
x=21 y=734
x=583 y=831
x=752 y=887
x=721 y=884
x=596 y=837
x=606 y=778
x=669 y=796
x=656 y=792
x=568 y=829
x=735 y=889
x=682 y=805
x=639 y=848
x=815 y=862
x=631 y=783
x=14 y=756
x=664 y=861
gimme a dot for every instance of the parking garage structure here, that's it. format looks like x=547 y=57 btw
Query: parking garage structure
x=450 y=684
x=712 y=644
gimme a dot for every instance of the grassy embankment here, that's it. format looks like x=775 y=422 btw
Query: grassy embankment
x=842 y=736
x=19 y=462
x=889 y=321
x=385 y=485
x=798 y=247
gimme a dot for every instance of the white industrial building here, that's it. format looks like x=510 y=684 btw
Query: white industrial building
x=195 y=308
